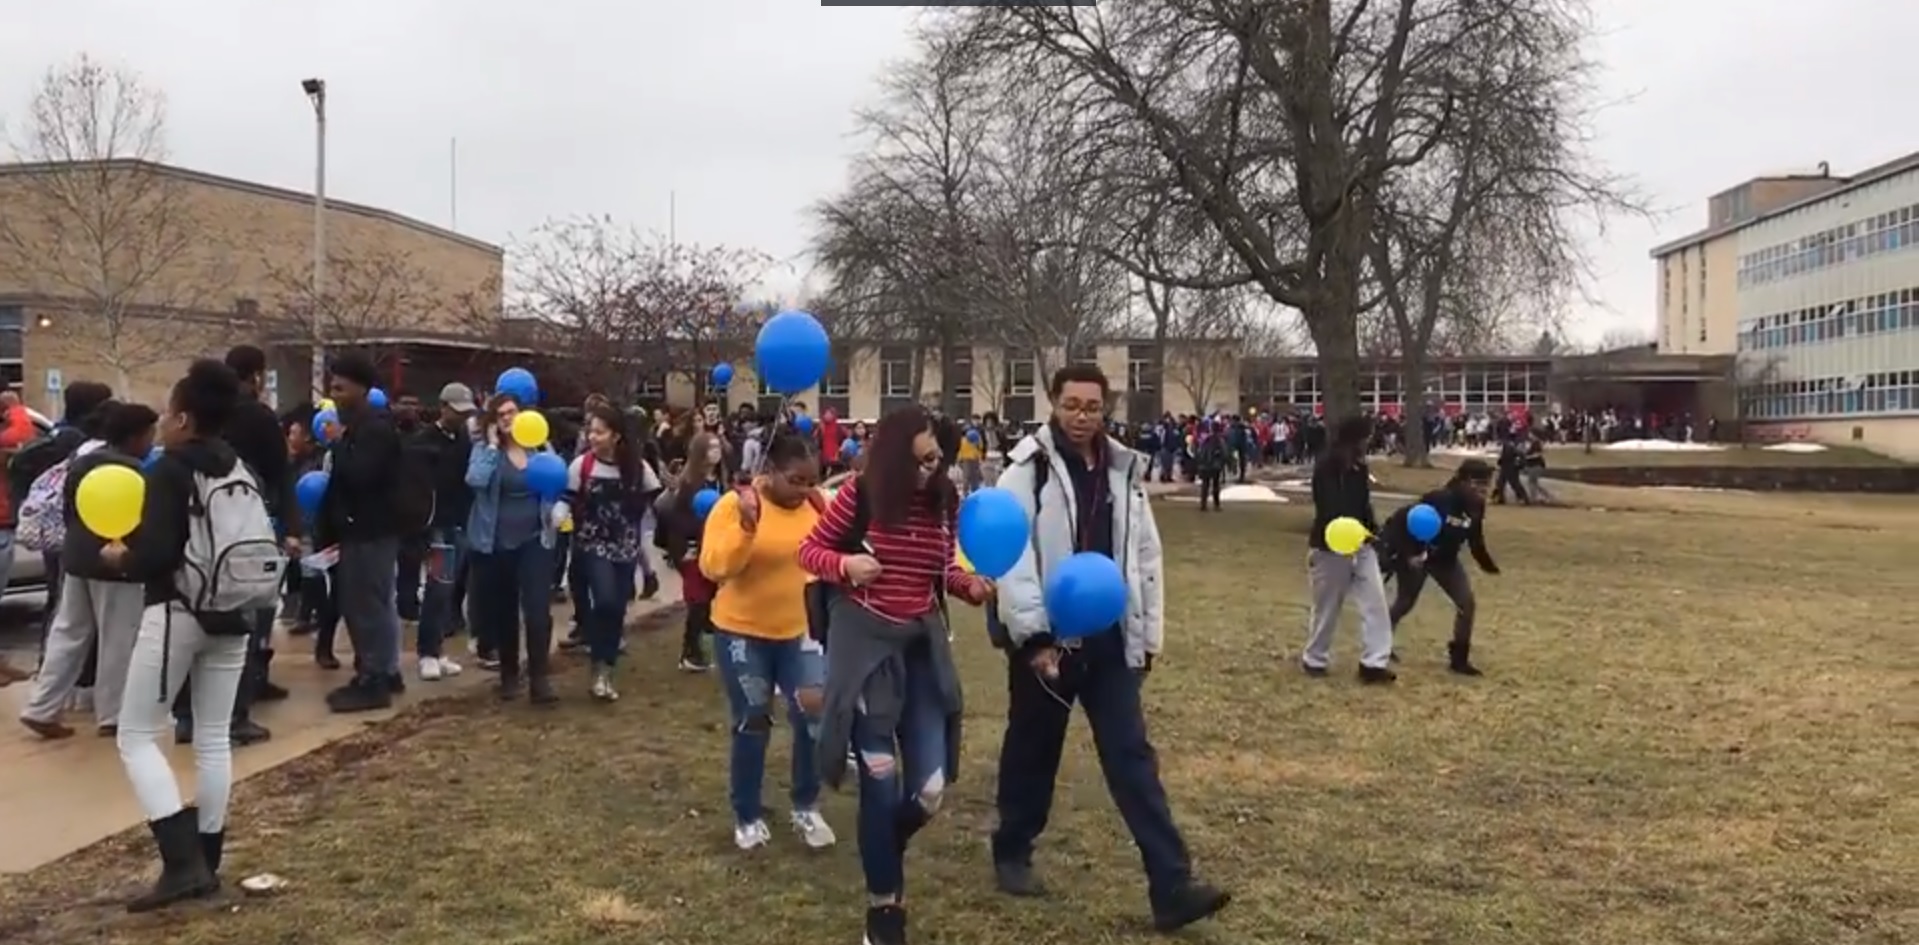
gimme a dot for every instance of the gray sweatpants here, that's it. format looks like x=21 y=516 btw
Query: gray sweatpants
x=90 y=613
x=367 y=572
x=1334 y=579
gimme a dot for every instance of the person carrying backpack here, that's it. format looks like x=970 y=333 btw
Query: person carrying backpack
x=209 y=560
x=99 y=612
x=1210 y=456
x=31 y=458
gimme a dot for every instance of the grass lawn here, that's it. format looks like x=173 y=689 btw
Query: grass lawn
x=1695 y=728
x=1732 y=455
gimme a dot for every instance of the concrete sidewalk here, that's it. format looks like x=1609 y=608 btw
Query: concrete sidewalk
x=60 y=796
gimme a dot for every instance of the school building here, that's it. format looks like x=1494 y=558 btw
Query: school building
x=1810 y=283
x=196 y=263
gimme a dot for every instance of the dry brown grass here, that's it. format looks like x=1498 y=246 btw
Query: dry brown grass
x=1696 y=728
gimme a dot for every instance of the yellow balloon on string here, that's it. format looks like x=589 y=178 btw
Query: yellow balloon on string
x=326 y=403
x=530 y=429
x=1346 y=535
x=959 y=558
x=109 y=501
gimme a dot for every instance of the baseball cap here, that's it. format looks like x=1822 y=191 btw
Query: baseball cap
x=459 y=397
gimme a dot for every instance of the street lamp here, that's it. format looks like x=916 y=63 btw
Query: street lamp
x=316 y=93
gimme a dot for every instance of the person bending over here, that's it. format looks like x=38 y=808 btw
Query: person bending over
x=1462 y=510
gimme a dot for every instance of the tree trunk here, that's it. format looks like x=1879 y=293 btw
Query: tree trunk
x=1412 y=384
x=1336 y=337
x=1160 y=329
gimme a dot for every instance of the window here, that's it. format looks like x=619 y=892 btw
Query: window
x=13 y=320
x=839 y=375
x=896 y=372
x=1022 y=372
x=961 y=383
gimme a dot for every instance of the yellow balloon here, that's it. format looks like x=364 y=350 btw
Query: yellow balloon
x=1346 y=535
x=109 y=501
x=959 y=558
x=326 y=403
x=530 y=429
x=566 y=525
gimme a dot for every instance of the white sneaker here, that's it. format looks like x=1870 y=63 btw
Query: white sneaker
x=449 y=668
x=813 y=829
x=752 y=836
x=430 y=669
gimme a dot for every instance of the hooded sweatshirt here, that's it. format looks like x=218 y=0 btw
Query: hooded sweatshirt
x=158 y=548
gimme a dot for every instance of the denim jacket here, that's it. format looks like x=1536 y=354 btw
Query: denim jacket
x=483 y=522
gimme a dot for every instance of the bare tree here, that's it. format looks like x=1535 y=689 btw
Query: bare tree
x=372 y=299
x=1207 y=335
x=900 y=244
x=576 y=289
x=1478 y=245
x=698 y=295
x=1277 y=124
x=93 y=224
x=1620 y=339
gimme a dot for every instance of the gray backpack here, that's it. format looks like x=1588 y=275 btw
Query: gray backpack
x=234 y=562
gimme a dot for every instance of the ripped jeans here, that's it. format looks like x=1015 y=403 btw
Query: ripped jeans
x=750 y=669
x=902 y=778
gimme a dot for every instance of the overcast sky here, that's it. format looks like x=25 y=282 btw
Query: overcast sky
x=741 y=109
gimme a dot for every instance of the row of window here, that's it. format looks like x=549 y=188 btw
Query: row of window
x=1878 y=392
x=1886 y=232
x=1519 y=384
x=1865 y=315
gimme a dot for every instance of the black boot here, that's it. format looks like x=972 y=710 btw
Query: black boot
x=1460 y=659
x=183 y=873
x=1187 y=904
x=212 y=847
x=265 y=690
x=649 y=586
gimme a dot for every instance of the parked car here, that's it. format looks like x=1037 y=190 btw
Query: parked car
x=28 y=572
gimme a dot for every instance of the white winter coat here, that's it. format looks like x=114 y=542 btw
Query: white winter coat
x=1022 y=601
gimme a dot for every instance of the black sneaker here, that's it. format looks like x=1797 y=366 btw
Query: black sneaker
x=271 y=692
x=885 y=925
x=1377 y=675
x=363 y=694
x=649 y=586
x=395 y=683
x=1017 y=879
x=1188 y=904
x=325 y=659
x=248 y=732
x=1459 y=659
x=1317 y=672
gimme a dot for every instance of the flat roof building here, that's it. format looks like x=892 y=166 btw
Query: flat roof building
x=1812 y=282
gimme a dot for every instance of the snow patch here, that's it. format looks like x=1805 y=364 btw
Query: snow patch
x=1249 y=493
x=1663 y=446
x=1797 y=447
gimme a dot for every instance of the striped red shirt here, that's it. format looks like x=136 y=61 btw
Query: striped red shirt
x=912 y=557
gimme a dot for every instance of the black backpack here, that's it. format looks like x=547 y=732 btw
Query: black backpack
x=37 y=457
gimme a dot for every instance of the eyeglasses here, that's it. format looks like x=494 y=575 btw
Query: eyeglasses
x=1084 y=410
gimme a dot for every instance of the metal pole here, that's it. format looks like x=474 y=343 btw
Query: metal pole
x=319 y=242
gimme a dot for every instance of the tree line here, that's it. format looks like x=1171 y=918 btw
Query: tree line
x=1402 y=178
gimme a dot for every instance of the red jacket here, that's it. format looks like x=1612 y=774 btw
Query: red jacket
x=16 y=430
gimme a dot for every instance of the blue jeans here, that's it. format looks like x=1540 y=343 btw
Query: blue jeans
x=750 y=668
x=607 y=587
x=446 y=550
x=902 y=777
x=513 y=588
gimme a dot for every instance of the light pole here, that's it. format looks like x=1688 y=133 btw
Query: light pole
x=316 y=93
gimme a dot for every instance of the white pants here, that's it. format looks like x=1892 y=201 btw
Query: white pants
x=169 y=647
x=104 y=614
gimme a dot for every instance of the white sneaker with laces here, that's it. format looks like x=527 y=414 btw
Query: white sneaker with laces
x=430 y=669
x=813 y=829
x=449 y=668
x=752 y=836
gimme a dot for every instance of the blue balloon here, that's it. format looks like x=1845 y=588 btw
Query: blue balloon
x=973 y=437
x=703 y=502
x=993 y=531
x=722 y=375
x=803 y=424
x=546 y=475
x=153 y=456
x=1423 y=522
x=519 y=384
x=320 y=421
x=792 y=352
x=1085 y=596
x=376 y=398
x=311 y=491
x=849 y=449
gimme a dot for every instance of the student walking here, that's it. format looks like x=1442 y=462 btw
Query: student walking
x=511 y=533
x=609 y=490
